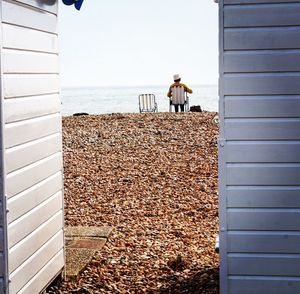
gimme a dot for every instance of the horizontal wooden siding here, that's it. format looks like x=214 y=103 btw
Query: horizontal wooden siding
x=32 y=140
x=260 y=95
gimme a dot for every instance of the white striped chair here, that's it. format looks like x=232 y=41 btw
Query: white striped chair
x=179 y=96
x=147 y=103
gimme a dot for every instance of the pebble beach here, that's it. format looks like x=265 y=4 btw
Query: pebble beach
x=153 y=178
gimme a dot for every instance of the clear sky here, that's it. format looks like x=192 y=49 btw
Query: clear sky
x=138 y=42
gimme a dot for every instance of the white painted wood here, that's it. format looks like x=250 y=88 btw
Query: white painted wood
x=28 y=16
x=33 y=219
x=35 y=263
x=30 y=85
x=30 y=107
x=47 y=273
x=28 y=130
x=25 y=154
x=32 y=197
x=15 y=61
x=47 y=5
x=32 y=139
x=26 y=39
x=25 y=248
x=28 y=176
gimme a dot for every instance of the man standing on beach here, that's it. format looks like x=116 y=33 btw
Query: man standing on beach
x=176 y=84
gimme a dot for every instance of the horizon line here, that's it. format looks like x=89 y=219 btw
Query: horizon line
x=132 y=86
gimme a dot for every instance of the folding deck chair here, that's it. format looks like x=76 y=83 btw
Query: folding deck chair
x=147 y=103
x=179 y=96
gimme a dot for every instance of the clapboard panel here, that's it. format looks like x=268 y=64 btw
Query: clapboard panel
x=25 y=178
x=259 y=165
x=263 y=196
x=32 y=143
x=34 y=196
x=32 y=129
x=262 y=151
x=262 y=242
x=35 y=263
x=25 y=154
x=48 y=5
x=262 y=84
x=264 y=264
x=242 y=2
x=24 y=249
x=23 y=62
x=263 y=219
x=1 y=239
x=30 y=107
x=262 y=129
x=29 y=85
x=263 y=285
x=47 y=273
x=28 y=16
x=263 y=174
x=261 y=61
x=262 y=106
x=2 y=286
x=14 y=37
x=2 y=265
x=33 y=219
x=262 y=38
x=283 y=14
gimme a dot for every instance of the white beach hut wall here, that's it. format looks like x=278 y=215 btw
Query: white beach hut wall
x=31 y=234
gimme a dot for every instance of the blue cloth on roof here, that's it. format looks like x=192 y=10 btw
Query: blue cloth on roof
x=77 y=3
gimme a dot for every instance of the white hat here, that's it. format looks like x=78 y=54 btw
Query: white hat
x=176 y=77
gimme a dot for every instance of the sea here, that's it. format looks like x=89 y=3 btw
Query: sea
x=104 y=100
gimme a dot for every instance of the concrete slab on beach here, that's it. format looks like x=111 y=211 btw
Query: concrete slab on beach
x=76 y=261
x=81 y=231
x=81 y=245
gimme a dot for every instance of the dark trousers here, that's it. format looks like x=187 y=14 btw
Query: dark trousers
x=181 y=107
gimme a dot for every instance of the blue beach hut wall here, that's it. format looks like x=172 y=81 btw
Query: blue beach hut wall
x=259 y=146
